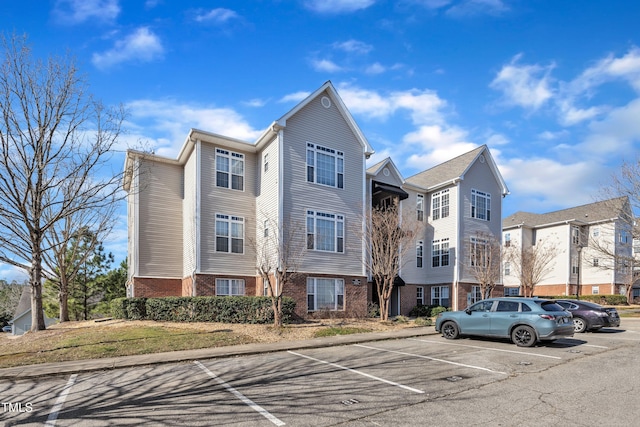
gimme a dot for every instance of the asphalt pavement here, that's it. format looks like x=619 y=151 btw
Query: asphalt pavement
x=76 y=366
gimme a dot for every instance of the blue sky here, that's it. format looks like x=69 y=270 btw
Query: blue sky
x=552 y=87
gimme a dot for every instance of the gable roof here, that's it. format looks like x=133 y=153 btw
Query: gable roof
x=591 y=213
x=24 y=304
x=375 y=169
x=454 y=170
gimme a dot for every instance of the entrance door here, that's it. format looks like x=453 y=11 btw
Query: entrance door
x=394 y=304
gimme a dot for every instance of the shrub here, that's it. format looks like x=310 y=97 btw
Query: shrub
x=373 y=310
x=437 y=310
x=421 y=310
x=421 y=321
x=240 y=309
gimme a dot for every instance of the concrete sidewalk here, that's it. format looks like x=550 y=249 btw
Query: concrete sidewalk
x=76 y=366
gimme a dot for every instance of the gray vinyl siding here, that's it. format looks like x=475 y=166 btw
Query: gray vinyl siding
x=189 y=214
x=160 y=210
x=481 y=178
x=268 y=195
x=325 y=127
x=215 y=200
x=132 y=232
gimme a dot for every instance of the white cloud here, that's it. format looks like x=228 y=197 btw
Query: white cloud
x=375 y=68
x=527 y=86
x=73 y=12
x=478 y=7
x=295 y=97
x=217 y=16
x=326 y=66
x=615 y=133
x=353 y=46
x=141 y=46
x=11 y=273
x=256 y=102
x=338 y=6
x=166 y=123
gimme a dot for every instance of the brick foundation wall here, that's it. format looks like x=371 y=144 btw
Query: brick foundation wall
x=156 y=287
x=187 y=286
x=355 y=296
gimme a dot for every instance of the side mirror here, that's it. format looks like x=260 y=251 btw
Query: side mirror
x=468 y=311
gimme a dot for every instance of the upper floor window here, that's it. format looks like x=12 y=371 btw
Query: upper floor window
x=507 y=268
x=480 y=205
x=420 y=206
x=440 y=204
x=229 y=287
x=507 y=239
x=479 y=256
x=419 y=253
x=440 y=253
x=575 y=235
x=575 y=269
x=265 y=160
x=325 y=166
x=229 y=234
x=596 y=232
x=325 y=231
x=229 y=169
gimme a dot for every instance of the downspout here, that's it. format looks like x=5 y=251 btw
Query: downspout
x=456 y=269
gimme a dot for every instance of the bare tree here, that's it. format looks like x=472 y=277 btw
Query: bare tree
x=389 y=236
x=279 y=252
x=485 y=261
x=616 y=239
x=55 y=139
x=533 y=263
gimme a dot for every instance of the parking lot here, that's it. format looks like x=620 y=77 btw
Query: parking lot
x=416 y=381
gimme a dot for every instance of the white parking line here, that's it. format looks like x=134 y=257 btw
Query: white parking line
x=485 y=348
x=432 y=358
x=259 y=409
x=53 y=415
x=415 y=390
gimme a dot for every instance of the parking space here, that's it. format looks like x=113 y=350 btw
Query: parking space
x=322 y=386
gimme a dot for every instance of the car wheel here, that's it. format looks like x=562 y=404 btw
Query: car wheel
x=579 y=325
x=450 y=330
x=523 y=336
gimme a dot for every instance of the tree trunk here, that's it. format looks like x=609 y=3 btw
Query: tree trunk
x=276 y=303
x=63 y=298
x=37 y=315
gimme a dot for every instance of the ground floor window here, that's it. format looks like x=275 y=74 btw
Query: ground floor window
x=511 y=292
x=229 y=287
x=440 y=296
x=475 y=295
x=595 y=290
x=419 y=295
x=325 y=294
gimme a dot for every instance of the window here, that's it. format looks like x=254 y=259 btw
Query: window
x=511 y=292
x=507 y=240
x=419 y=295
x=595 y=290
x=229 y=287
x=478 y=253
x=624 y=237
x=575 y=235
x=419 y=252
x=229 y=169
x=229 y=234
x=596 y=262
x=266 y=228
x=325 y=231
x=420 y=207
x=440 y=253
x=596 y=232
x=325 y=166
x=440 y=296
x=475 y=295
x=325 y=294
x=440 y=204
x=507 y=268
x=480 y=205
x=265 y=160
x=574 y=265
x=508 y=306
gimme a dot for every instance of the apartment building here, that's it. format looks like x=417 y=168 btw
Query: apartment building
x=192 y=219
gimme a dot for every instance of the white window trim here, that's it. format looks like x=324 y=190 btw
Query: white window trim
x=440 y=297
x=338 y=165
x=440 y=251
x=338 y=284
x=230 y=220
x=420 y=295
x=475 y=195
x=420 y=254
x=240 y=285
x=230 y=156
x=339 y=230
x=438 y=206
x=420 y=207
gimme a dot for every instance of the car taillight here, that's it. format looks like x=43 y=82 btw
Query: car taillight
x=547 y=316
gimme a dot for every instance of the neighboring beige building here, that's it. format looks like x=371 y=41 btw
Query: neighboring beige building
x=578 y=268
x=191 y=218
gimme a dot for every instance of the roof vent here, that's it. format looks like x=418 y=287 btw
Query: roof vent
x=326 y=102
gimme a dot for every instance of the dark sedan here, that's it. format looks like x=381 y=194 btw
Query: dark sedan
x=589 y=316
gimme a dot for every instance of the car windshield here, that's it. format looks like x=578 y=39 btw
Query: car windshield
x=551 y=306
